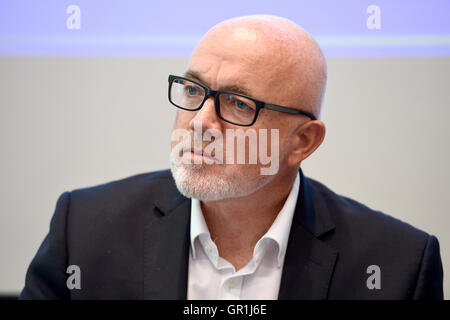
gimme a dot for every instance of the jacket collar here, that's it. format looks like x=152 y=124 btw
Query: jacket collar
x=312 y=211
x=166 y=244
x=309 y=262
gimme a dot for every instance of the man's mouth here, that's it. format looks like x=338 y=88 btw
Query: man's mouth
x=196 y=153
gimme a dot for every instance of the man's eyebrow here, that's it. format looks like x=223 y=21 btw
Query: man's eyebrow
x=233 y=88
x=238 y=89
x=194 y=76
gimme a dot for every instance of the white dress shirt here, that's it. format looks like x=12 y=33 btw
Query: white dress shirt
x=212 y=277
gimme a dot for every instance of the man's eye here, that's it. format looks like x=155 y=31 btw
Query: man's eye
x=241 y=105
x=191 y=90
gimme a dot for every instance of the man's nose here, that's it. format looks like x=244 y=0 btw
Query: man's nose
x=207 y=116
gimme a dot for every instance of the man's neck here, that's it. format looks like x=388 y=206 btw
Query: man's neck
x=236 y=224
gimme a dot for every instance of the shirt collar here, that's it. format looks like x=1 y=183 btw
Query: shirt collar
x=280 y=228
x=198 y=224
x=278 y=231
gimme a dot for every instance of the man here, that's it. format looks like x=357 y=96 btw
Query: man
x=226 y=229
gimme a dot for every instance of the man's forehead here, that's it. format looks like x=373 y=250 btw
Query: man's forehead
x=234 y=69
x=233 y=84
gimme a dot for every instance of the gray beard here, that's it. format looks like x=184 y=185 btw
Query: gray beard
x=193 y=182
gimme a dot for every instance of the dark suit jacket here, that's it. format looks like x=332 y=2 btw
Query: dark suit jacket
x=130 y=239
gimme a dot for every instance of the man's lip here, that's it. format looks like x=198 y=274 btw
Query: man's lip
x=199 y=152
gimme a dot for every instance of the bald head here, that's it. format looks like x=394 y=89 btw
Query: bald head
x=274 y=50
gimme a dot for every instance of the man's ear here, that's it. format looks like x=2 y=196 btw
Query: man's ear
x=306 y=139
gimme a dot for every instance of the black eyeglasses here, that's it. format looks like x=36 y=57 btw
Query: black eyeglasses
x=231 y=107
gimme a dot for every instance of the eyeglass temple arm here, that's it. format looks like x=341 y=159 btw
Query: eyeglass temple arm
x=289 y=110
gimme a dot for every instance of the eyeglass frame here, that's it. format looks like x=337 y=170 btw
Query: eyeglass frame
x=215 y=94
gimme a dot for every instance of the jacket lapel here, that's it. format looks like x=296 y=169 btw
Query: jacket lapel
x=309 y=262
x=166 y=248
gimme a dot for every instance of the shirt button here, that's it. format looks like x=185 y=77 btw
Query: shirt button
x=208 y=248
x=231 y=283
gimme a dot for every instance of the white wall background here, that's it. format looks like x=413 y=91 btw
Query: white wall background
x=67 y=123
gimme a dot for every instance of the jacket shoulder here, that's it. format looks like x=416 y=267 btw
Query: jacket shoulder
x=136 y=181
x=354 y=214
x=408 y=257
x=121 y=199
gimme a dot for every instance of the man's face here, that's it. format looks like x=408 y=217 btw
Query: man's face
x=240 y=63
